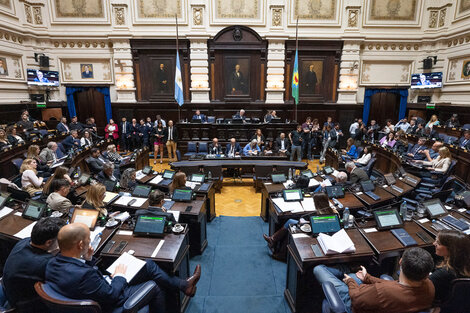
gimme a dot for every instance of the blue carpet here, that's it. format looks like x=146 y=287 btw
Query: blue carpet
x=238 y=275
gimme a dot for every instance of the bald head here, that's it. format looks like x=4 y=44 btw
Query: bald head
x=72 y=238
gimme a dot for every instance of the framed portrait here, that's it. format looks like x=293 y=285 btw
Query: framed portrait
x=310 y=77
x=3 y=67
x=237 y=75
x=466 y=69
x=164 y=76
x=86 y=70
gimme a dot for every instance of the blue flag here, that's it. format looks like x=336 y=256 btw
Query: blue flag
x=178 y=82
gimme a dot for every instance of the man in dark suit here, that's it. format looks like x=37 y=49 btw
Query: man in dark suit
x=215 y=147
x=464 y=142
x=237 y=81
x=162 y=79
x=240 y=115
x=282 y=144
x=372 y=131
x=233 y=148
x=62 y=126
x=356 y=174
x=170 y=138
x=413 y=127
x=75 y=124
x=125 y=134
x=73 y=274
x=310 y=80
x=71 y=141
x=414 y=152
x=27 y=262
x=198 y=116
x=94 y=163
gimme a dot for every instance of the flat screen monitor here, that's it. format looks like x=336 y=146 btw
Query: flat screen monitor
x=328 y=170
x=167 y=174
x=147 y=170
x=182 y=195
x=292 y=195
x=278 y=178
x=334 y=191
x=307 y=173
x=83 y=179
x=152 y=226
x=387 y=219
x=142 y=191
x=197 y=178
x=367 y=185
x=3 y=198
x=426 y=80
x=43 y=78
x=390 y=179
x=110 y=185
x=325 y=224
x=34 y=210
x=85 y=216
x=435 y=208
x=196 y=121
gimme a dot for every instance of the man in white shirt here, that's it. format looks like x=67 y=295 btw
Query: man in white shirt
x=159 y=118
x=354 y=126
x=402 y=124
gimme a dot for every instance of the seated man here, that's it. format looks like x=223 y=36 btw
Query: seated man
x=340 y=180
x=198 y=116
x=362 y=292
x=156 y=202
x=27 y=262
x=433 y=153
x=57 y=200
x=73 y=274
x=94 y=163
x=240 y=115
x=233 y=148
x=413 y=153
x=356 y=174
x=75 y=124
x=251 y=148
x=108 y=173
x=48 y=154
x=372 y=131
x=413 y=127
x=62 y=127
x=464 y=142
x=72 y=141
x=215 y=147
x=282 y=144
x=402 y=124
x=453 y=122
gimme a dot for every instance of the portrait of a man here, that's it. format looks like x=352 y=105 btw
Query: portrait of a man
x=423 y=81
x=87 y=70
x=310 y=74
x=162 y=78
x=466 y=69
x=40 y=77
x=237 y=76
x=3 y=67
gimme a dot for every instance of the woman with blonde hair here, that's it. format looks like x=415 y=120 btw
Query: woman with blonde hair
x=440 y=164
x=179 y=181
x=30 y=182
x=61 y=172
x=33 y=153
x=4 y=143
x=94 y=199
x=433 y=121
x=113 y=155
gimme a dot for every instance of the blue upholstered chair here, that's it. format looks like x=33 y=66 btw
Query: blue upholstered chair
x=192 y=149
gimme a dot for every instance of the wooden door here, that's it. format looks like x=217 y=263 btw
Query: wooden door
x=384 y=106
x=90 y=103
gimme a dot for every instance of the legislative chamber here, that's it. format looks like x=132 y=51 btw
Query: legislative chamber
x=203 y=156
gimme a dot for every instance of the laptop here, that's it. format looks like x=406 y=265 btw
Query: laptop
x=167 y=177
x=334 y=191
x=197 y=178
x=150 y=226
x=85 y=216
x=390 y=179
x=84 y=178
x=278 y=178
x=326 y=224
x=388 y=219
x=292 y=195
x=147 y=170
x=110 y=185
x=34 y=210
x=307 y=173
x=182 y=195
x=3 y=198
x=328 y=170
x=367 y=185
x=141 y=191
x=435 y=208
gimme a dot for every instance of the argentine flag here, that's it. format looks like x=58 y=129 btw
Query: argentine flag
x=178 y=82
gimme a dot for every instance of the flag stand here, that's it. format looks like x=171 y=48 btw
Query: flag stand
x=296 y=51
x=177 y=55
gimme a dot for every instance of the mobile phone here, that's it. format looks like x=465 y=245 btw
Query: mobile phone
x=108 y=246
x=120 y=247
x=189 y=208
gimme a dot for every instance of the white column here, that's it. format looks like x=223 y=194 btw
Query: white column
x=275 y=78
x=349 y=72
x=123 y=71
x=199 y=70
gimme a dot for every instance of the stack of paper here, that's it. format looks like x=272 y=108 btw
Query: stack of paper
x=139 y=175
x=288 y=183
x=289 y=206
x=25 y=232
x=176 y=214
x=109 y=196
x=313 y=182
x=5 y=211
x=134 y=265
x=338 y=243
x=156 y=180
x=124 y=200
x=308 y=204
x=191 y=184
x=122 y=216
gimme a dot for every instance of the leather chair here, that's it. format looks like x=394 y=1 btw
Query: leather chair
x=359 y=150
x=17 y=163
x=58 y=303
x=192 y=149
x=59 y=153
x=438 y=178
x=217 y=175
x=458 y=297
x=211 y=119
x=61 y=148
x=262 y=172
x=429 y=191
x=451 y=140
x=203 y=148
x=466 y=127
x=370 y=166
x=4 y=305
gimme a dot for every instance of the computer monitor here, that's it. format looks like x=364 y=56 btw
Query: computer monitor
x=34 y=210
x=328 y=170
x=387 y=219
x=147 y=170
x=3 y=198
x=325 y=224
x=278 y=178
x=110 y=184
x=182 y=195
x=292 y=195
x=334 y=191
x=307 y=173
x=197 y=178
x=168 y=174
x=367 y=185
x=390 y=179
x=196 y=121
x=142 y=191
x=85 y=216
x=84 y=178
x=151 y=226
x=435 y=208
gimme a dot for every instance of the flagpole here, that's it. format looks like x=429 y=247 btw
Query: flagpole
x=177 y=55
x=296 y=51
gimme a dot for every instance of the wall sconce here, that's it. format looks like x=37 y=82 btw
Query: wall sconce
x=354 y=66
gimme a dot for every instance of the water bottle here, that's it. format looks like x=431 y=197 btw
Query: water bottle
x=409 y=214
x=96 y=241
x=290 y=174
x=209 y=175
x=318 y=169
x=403 y=210
x=346 y=217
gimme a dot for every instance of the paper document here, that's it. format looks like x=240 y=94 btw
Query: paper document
x=335 y=173
x=313 y=182
x=25 y=232
x=109 y=196
x=308 y=204
x=338 y=243
x=139 y=175
x=326 y=182
x=176 y=214
x=290 y=206
x=155 y=252
x=191 y=184
x=5 y=211
x=124 y=200
x=288 y=183
x=134 y=265
x=57 y=164
x=122 y=216
x=156 y=180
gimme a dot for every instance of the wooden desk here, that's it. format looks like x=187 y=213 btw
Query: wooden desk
x=303 y=293
x=400 y=184
x=351 y=201
x=266 y=191
x=385 y=197
x=237 y=163
x=173 y=257
x=427 y=225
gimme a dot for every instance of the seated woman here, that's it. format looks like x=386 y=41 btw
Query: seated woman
x=128 y=179
x=113 y=155
x=259 y=137
x=388 y=141
x=94 y=199
x=61 y=172
x=277 y=243
x=454 y=247
x=179 y=182
x=434 y=121
x=440 y=164
x=86 y=140
x=365 y=158
x=57 y=200
x=13 y=137
x=251 y=148
x=268 y=148
x=351 y=151
x=43 y=167
x=108 y=173
x=4 y=143
x=401 y=144
x=30 y=182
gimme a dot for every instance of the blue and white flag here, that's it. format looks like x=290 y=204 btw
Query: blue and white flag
x=178 y=82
